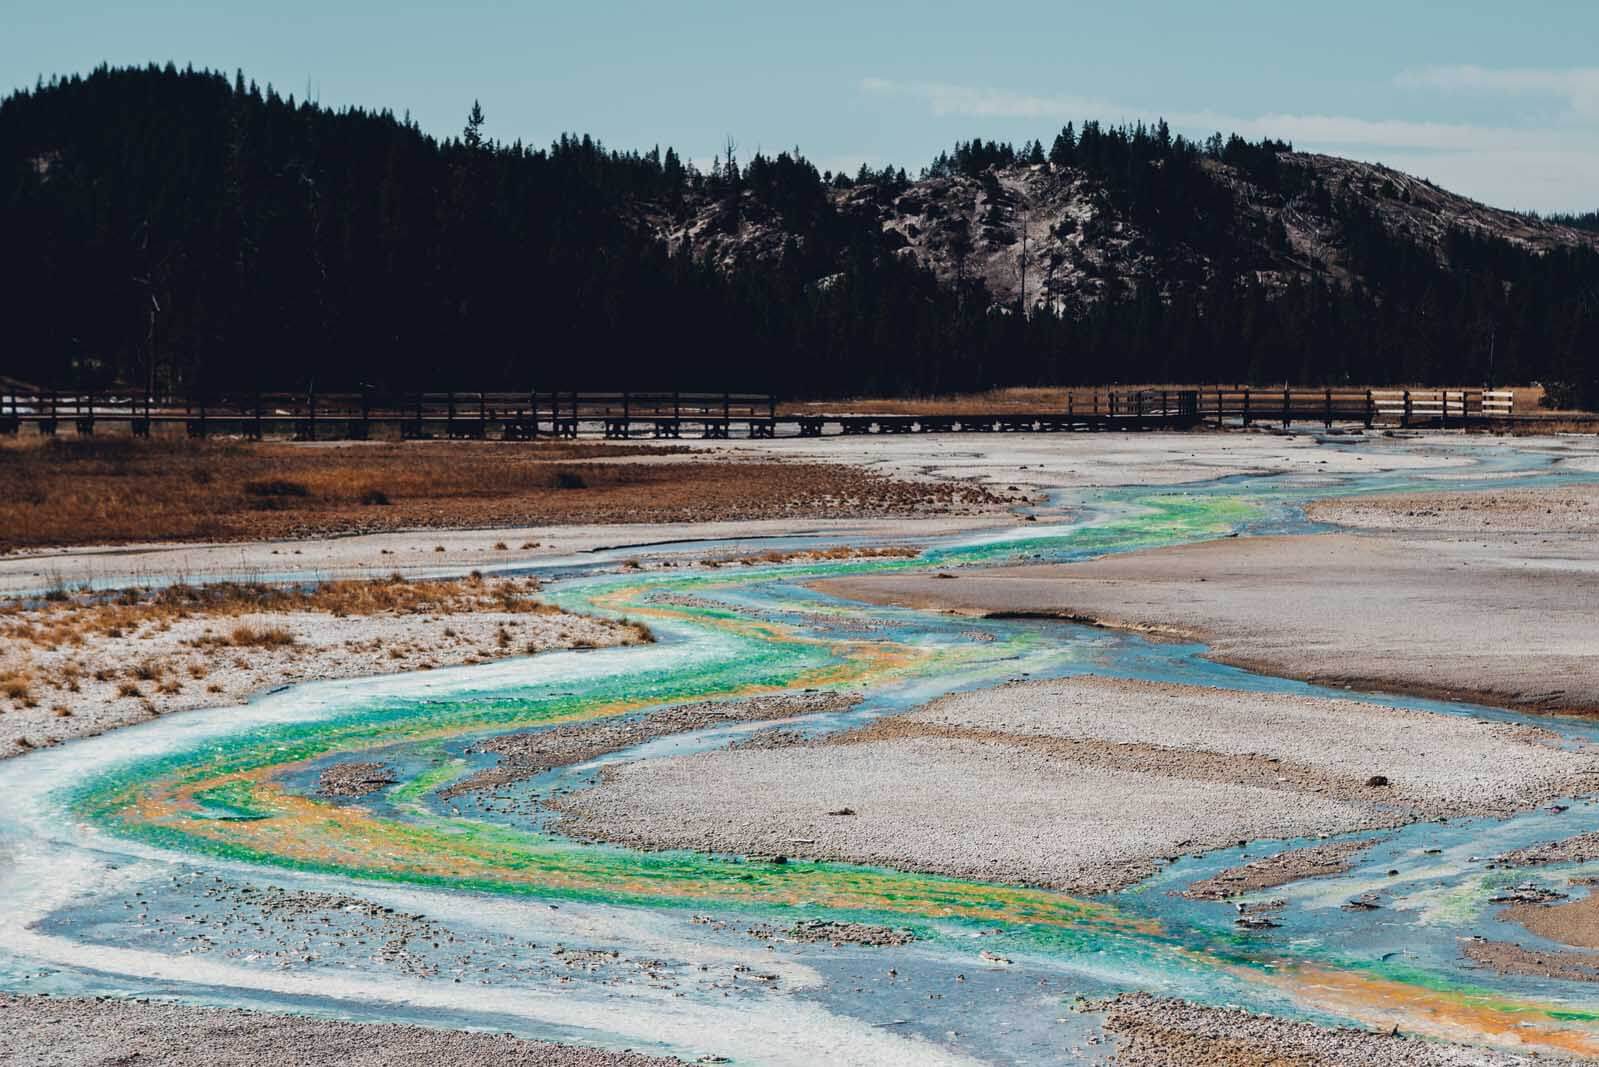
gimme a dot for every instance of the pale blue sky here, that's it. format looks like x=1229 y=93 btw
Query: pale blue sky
x=1497 y=100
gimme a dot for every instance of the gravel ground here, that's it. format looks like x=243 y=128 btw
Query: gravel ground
x=63 y=1032
x=356 y=778
x=1583 y=848
x=1296 y=864
x=1507 y=958
x=530 y=753
x=1506 y=619
x=1567 y=509
x=1571 y=922
x=1055 y=783
x=1434 y=764
x=1160 y=1032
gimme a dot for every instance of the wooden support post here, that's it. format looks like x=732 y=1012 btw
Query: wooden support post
x=1329 y=412
x=1404 y=418
x=1287 y=407
x=1371 y=409
x=1246 y=405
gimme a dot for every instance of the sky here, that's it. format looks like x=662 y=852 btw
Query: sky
x=1499 y=101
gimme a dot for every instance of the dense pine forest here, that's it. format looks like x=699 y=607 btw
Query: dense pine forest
x=196 y=231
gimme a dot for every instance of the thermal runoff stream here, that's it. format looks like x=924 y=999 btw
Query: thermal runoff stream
x=192 y=857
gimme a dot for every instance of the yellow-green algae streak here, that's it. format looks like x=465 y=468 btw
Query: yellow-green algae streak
x=227 y=799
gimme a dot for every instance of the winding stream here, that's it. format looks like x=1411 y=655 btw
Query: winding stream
x=175 y=858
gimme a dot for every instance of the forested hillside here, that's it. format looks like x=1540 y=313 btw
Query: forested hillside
x=194 y=229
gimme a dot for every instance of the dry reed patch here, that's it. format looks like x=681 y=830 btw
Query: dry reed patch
x=117 y=490
x=56 y=623
x=247 y=636
x=151 y=652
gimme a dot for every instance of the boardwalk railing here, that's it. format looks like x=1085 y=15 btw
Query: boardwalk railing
x=531 y=414
x=353 y=416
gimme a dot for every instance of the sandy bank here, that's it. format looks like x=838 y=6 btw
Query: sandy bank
x=1564 y=509
x=1294 y=865
x=1081 y=785
x=417 y=553
x=1161 y=1032
x=1571 y=922
x=529 y=753
x=71 y=671
x=1505 y=957
x=1500 y=619
x=68 y=1032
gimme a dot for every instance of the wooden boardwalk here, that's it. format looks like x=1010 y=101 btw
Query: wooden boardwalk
x=522 y=416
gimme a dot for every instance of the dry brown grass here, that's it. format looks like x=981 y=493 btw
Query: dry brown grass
x=57 y=623
x=17 y=685
x=247 y=636
x=118 y=490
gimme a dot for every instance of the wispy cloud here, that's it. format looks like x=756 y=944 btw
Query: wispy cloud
x=1577 y=86
x=946 y=99
x=1549 y=166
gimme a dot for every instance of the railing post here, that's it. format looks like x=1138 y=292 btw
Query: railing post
x=1246 y=405
x=1404 y=418
x=1329 y=407
x=1287 y=406
x=1371 y=409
